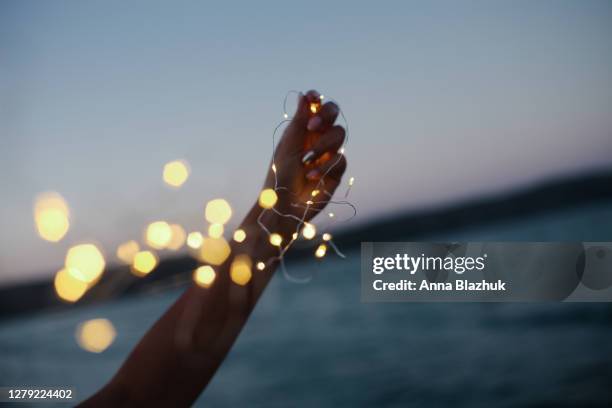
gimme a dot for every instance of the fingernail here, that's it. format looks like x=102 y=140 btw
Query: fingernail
x=308 y=156
x=312 y=174
x=314 y=123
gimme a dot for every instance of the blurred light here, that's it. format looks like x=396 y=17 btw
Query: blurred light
x=314 y=193
x=276 y=239
x=326 y=237
x=261 y=266
x=322 y=97
x=309 y=202
x=51 y=216
x=178 y=237
x=194 y=240
x=176 y=173
x=158 y=234
x=321 y=250
x=239 y=235
x=309 y=231
x=95 y=335
x=215 y=230
x=351 y=181
x=341 y=150
x=285 y=115
x=67 y=287
x=240 y=270
x=218 y=211
x=331 y=215
x=267 y=198
x=85 y=262
x=274 y=167
x=214 y=250
x=294 y=236
x=204 y=276
x=127 y=250
x=315 y=106
x=144 y=263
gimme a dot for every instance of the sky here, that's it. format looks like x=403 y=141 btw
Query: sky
x=446 y=101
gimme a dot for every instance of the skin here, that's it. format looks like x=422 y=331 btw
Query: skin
x=176 y=359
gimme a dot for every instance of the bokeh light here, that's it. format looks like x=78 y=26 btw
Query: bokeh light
x=51 y=216
x=261 y=266
x=204 y=276
x=194 y=240
x=144 y=263
x=67 y=287
x=239 y=235
x=85 y=262
x=267 y=198
x=177 y=239
x=214 y=251
x=215 y=230
x=176 y=173
x=327 y=236
x=240 y=270
x=218 y=211
x=95 y=335
x=127 y=250
x=276 y=239
x=158 y=234
x=321 y=251
x=309 y=231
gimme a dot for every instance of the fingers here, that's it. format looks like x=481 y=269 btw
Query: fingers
x=324 y=119
x=331 y=169
x=331 y=141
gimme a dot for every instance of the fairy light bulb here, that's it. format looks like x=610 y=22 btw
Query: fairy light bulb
x=144 y=263
x=274 y=167
x=331 y=215
x=327 y=236
x=294 y=236
x=194 y=240
x=85 y=262
x=261 y=266
x=315 y=107
x=239 y=235
x=276 y=239
x=267 y=198
x=315 y=193
x=158 y=234
x=309 y=202
x=321 y=251
x=218 y=211
x=127 y=251
x=309 y=231
x=351 y=181
x=215 y=230
x=204 y=276
x=285 y=115
x=176 y=173
x=240 y=270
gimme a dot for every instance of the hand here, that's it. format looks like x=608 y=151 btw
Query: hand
x=314 y=137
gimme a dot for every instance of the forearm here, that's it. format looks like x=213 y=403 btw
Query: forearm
x=178 y=356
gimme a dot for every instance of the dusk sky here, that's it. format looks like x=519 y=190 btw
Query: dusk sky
x=446 y=100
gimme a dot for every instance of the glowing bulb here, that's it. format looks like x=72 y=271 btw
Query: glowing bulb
x=267 y=198
x=218 y=211
x=322 y=97
x=314 y=193
x=341 y=150
x=261 y=266
x=326 y=236
x=351 y=181
x=67 y=287
x=315 y=106
x=274 y=167
x=309 y=202
x=204 y=276
x=95 y=335
x=239 y=235
x=240 y=270
x=331 y=215
x=158 y=234
x=144 y=263
x=51 y=216
x=276 y=239
x=85 y=262
x=214 y=251
x=194 y=240
x=321 y=250
x=294 y=236
x=285 y=115
x=178 y=237
x=127 y=250
x=176 y=173
x=309 y=231
x=215 y=230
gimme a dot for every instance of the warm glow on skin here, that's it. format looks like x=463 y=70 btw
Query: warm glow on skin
x=127 y=250
x=239 y=235
x=95 y=335
x=67 y=287
x=51 y=216
x=158 y=234
x=194 y=240
x=204 y=276
x=215 y=230
x=85 y=262
x=309 y=231
x=315 y=107
x=214 y=251
x=240 y=270
x=176 y=173
x=276 y=239
x=178 y=237
x=218 y=211
x=144 y=263
x=267 y=198
x=321 y=251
